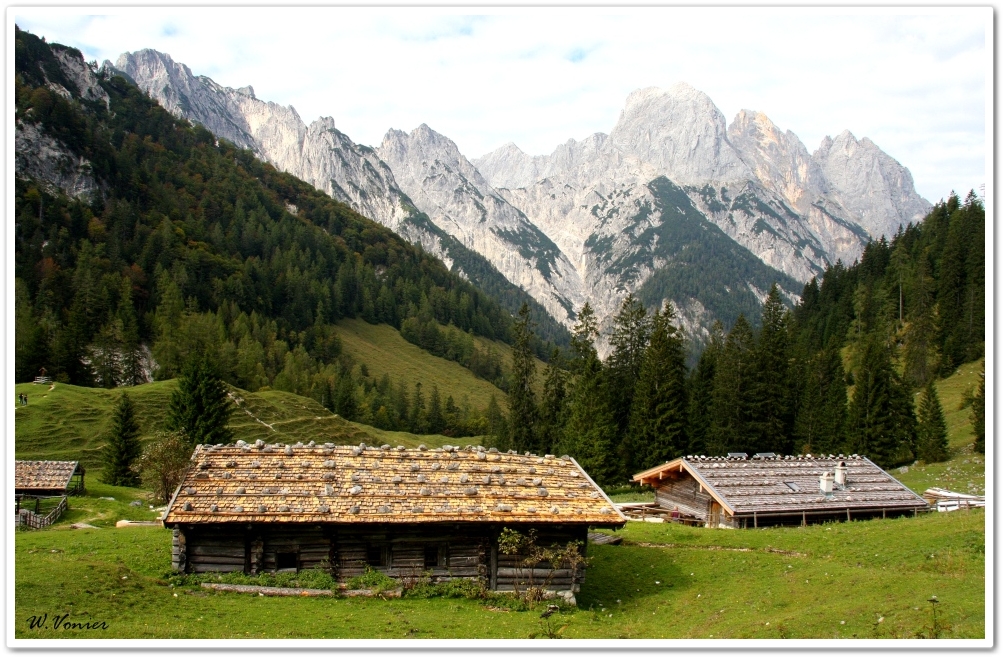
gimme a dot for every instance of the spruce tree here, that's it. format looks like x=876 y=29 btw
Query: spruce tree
x=591 y=432
x=731 y=404
x=199 y=408
x=882 y=423
x=520 y=394
x=700 y=393
x=436 y=412
x=629 y=338
x=123 y=446
x=659 y=419
x=585 y=333
x=770 y=387
x=552 y=413
x=821 y=421
x=933 y=445
x=978 y=413
x=498 y=428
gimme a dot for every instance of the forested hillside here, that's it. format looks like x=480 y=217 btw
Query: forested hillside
x=185 y=244
x=836 y=374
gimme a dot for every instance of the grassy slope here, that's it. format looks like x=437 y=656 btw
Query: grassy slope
x=69 y=422
x=965 y=471
x=384 y=351
x=664 y=581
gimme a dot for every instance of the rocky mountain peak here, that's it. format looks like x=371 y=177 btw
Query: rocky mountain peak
x=680 y=132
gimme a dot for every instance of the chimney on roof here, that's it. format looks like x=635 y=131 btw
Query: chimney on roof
x=841 y=472
x=827 y=483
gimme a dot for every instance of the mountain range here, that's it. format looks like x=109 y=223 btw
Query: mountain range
x=672 y=205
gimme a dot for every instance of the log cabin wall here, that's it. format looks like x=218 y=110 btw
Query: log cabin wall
x=683 y=491
x=399 y=551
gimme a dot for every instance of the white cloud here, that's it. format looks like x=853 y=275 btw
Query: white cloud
x=540 y=76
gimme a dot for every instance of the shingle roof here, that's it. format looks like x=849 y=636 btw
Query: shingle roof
x=745 y=486
x=43 y=475
x=337 y=484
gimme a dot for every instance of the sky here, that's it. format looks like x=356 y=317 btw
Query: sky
x=917 y=82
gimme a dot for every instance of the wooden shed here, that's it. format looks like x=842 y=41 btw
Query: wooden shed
x=404 y=512
x=736 y=491
x=48 y=478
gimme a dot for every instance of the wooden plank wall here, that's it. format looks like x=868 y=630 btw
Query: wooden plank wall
x=466 y=552
x=684 y=493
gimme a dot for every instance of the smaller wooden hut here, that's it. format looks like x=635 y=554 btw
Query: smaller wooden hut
x=48 y=478
x=737 y=491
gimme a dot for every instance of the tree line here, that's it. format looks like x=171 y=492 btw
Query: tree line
x=838 y=373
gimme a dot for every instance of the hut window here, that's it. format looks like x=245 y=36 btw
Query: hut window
x=286 y=561
x=377 y=555
x=435 y=556
x=792 y=486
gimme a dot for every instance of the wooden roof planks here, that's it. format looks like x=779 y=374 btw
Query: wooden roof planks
x=311 y=483
x=44 y=475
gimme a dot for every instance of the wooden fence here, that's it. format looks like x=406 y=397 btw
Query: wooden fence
x=35 y=521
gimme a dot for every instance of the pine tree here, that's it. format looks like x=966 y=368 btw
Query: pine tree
x=520 y=394
x=498 y=428
x=978 y=413
x=882 y=424
x=552 y=414
x=659 y=420
x=700 y=393
x=436 y=412
x=199 y=407
x=770 y=386
x=629 y=338
x=731 y=405
x=123 y=446
x=933 y=445
x=345 y=402
x=821 y=421
x=585 y=333
x=591 y=433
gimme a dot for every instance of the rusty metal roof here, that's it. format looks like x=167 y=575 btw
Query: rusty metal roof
x=43 y=475
x=326 y=483
x=745 y=486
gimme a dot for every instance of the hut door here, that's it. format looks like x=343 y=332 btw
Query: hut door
x=714 y=514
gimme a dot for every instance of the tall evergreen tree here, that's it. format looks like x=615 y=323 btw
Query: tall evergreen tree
x=553 y=411
x=436 y=413
x=591 y=432
x=933 y=445
x=123 y=446
x=199 y=407
x=629 y=337
x=585 y=333
x=978 y=413
x=499 y=431
x=771 y=397
x=659 y=421
x=821 y=421
x=882 y=424
x=700 y=393
x=520 y=394
x=731 y=405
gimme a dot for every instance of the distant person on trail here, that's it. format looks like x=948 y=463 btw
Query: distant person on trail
x=676 y=515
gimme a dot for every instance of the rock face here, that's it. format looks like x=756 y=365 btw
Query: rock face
x=456 y=197
x=45 y=159
x=318 y=154
x=646 y=209
x=795 y=212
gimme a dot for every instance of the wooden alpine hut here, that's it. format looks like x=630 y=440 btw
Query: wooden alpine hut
x=737 y=491
x=48 y=478
x=403 y=512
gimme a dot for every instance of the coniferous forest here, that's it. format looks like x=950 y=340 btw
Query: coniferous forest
x=190 y=246
x=836 y=373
